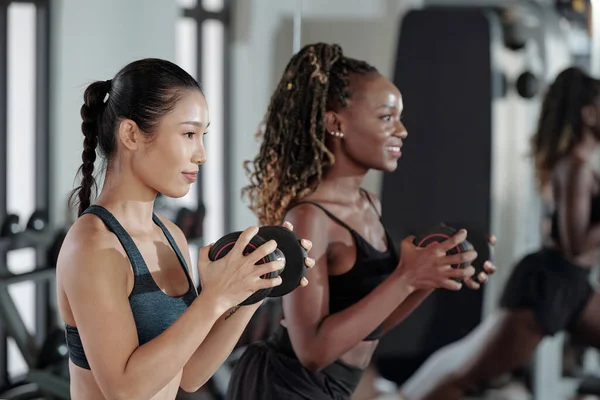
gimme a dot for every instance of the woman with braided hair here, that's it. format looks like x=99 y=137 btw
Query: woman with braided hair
x=136 y=327
x=548 y=290
x=330 y=121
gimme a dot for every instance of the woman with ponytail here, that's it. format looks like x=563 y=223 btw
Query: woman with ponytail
x=549 y=290
x=136 y=327
x=332 y=119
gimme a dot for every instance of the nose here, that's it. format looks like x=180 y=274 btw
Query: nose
x=199 y=156
x=401 y=131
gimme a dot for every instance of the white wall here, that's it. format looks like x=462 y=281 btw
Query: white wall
x=92 y=40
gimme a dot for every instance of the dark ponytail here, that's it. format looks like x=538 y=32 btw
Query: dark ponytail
x=91 y=113
x=143 y=91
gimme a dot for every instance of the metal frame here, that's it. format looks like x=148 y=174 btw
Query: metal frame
x=42 y=156
x=3 y=166
x=199 y=14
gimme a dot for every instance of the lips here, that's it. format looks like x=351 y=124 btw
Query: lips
x=394 y=151
x=190 y=176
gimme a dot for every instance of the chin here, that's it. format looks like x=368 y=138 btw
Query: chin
x=176 y=193
x=389 y=167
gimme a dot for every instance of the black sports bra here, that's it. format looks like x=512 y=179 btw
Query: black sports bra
x=370 y=269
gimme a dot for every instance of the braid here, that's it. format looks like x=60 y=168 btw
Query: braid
x=293 y=155
x=560 y=125
x=91 y=114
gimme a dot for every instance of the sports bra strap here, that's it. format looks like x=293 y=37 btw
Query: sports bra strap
x=326 y=211
x=370 y=201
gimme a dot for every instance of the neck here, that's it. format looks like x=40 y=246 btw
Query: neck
x=344 y=179
x=128 y=199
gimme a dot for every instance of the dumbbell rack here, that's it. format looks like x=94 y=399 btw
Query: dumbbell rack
x=30 y=345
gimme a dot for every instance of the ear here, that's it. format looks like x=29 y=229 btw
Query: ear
x=589 y=115
x=332 y=122
x=129 y=134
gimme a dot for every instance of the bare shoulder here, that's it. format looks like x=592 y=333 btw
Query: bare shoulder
x=90 y=249
x=310 y=222
x=306 y=214
x=576 y=175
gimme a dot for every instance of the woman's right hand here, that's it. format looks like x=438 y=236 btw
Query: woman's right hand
x=431 y=267
x=233 y=278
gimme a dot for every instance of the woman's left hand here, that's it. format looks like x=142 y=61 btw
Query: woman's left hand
x=489 y=269
x=307 y=244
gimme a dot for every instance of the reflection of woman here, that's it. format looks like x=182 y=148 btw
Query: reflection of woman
x=548 y=290
x=330 y=121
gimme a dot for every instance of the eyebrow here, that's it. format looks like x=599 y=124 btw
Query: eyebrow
x=195 y=123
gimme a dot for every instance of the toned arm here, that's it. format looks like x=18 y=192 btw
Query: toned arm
x=93 y=275
x=319 y=338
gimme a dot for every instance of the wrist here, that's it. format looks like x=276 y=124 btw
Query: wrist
x=211 y=303
x=404 y=278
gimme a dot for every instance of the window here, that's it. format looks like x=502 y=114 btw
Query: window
x=24 y=160
x=202 y=49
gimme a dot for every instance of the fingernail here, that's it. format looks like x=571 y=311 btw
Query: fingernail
x=305 y=242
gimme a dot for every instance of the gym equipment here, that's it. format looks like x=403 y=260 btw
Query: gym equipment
x=295 y=268
x=224 y=245
x=185 y=220
x=590 y=385
x=481 y=243
x=445 y=175
x=38 y=221
x=36 y=233
x=438 y=234
x=288 y=248
x=10 y=226
x=47 y=362
x=528 y=85
x=48 y=368
x=475 y=240
x=190 y=222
